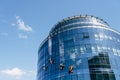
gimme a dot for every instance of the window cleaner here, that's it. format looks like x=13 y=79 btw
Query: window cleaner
x=51 y=61
x=61 y=66
x=71 y=69
x=44 y=67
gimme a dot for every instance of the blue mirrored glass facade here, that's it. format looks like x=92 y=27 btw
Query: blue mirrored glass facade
x=80 y=48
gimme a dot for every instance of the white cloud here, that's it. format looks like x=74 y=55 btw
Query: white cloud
x=22 y=36
x=15 y=72
x=17 y=17
x=13 y=24
x=22 y=25
x=32 y=72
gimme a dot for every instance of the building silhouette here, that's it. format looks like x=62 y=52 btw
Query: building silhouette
x=80 y=47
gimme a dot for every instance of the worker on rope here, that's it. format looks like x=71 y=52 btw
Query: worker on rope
x=44 y=67
x=71 y=69
x=51 y=61
x=61 y=66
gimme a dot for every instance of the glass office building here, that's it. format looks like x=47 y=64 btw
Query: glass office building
x=81 y=47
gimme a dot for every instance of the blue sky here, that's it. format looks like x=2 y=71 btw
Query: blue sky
x=24 y=24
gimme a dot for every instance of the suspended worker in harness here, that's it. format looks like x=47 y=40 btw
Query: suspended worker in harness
x=51 y=61
x=61 y=66
x=71 y=69
x=44 y=67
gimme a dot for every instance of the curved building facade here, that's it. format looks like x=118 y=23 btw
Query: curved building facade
x=81 y=47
